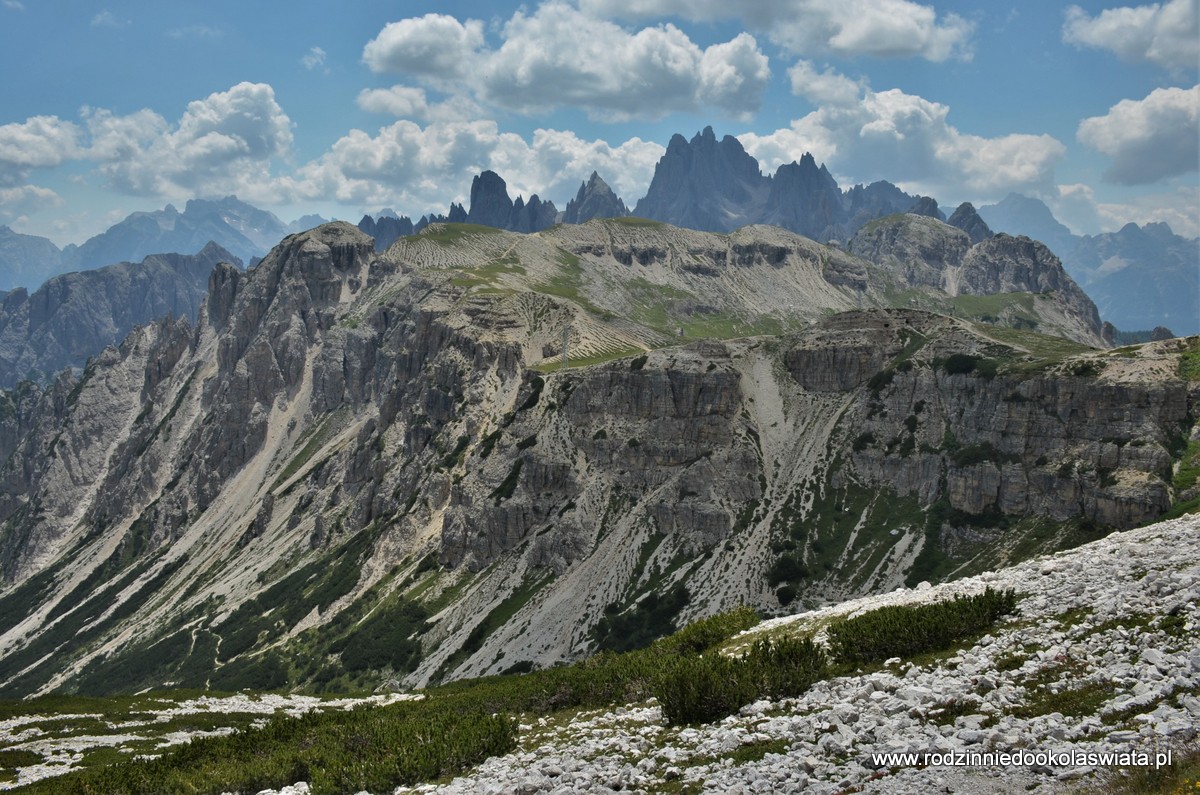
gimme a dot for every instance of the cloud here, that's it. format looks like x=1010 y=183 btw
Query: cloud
x=558 y=56
x=907 y=139
x=884 y=28
x=1166 y=34
x=402 y=101
x=38 y=142
x=106 y=19
x=407 y=102
x=824 y=88
x=1149 y=139
x=16 y=201
x=314 y=59
x=14 y=5
x=436 y=46
x=734 y=75
x=425 y=168
x=222 y=144
x=1177 y=209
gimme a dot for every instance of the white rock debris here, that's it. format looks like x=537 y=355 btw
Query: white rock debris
x=1089 y=618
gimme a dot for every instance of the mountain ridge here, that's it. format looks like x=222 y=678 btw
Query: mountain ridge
x=345 y=433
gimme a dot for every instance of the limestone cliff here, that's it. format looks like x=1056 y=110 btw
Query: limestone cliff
x=349 y=444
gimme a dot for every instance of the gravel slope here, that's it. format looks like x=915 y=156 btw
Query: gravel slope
x=1116 y=621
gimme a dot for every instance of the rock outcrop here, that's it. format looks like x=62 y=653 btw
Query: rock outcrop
x=594 y=200
x=76 y=315
x=965 y=218
x=491 y=206
x=344 y=432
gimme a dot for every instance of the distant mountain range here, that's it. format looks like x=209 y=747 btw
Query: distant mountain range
x=241 y=229
x=1139 y=277
x=73 y=316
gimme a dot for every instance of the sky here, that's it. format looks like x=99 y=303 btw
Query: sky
x=341 y=108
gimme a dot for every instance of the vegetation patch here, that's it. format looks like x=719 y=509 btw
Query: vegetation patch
x=907 y=630
x=374 y=749
x=706 y=688
x=651 y=618
x=1189 y=361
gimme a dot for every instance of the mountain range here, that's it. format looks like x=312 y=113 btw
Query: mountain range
x=241 y=229
x=1139 y=277
x=74 y=316
x=359 y=466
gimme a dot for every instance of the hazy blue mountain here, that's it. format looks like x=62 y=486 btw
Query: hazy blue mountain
x=706 y=184
x=1139 y=277
x=238 y=227
x=717 y=186
x=1022 y=215
x=73 y=316
x=26 y=260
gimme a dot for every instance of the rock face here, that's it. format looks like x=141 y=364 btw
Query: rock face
x=927 y=206
x=594 y=200
x=966 y=219
x=705 y=184
x=76 y=315
x=805 y=199
x=491 y=206
x=925 y=251
x=26 y=260
x=717 y=186
x=344 y=432
x=238 y=227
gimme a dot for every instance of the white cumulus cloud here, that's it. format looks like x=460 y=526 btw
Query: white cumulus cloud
x=407 y=102
x=558 y=56
x=37 y=142
x=885 y=28
x=435 y=46
x=908 y=140
x=1148 y=139
x=425 y=168
x=824 y=88
x=1167 y=34
x=222 y=144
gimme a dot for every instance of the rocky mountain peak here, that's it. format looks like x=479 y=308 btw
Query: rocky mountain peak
x=705 y=184
x=805 y=198
x=491 y=206
x=490 y=203
x=595 y=199
x=927 y=206
x=967 y=219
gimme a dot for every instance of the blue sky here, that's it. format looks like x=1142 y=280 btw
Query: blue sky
x=340 y=108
